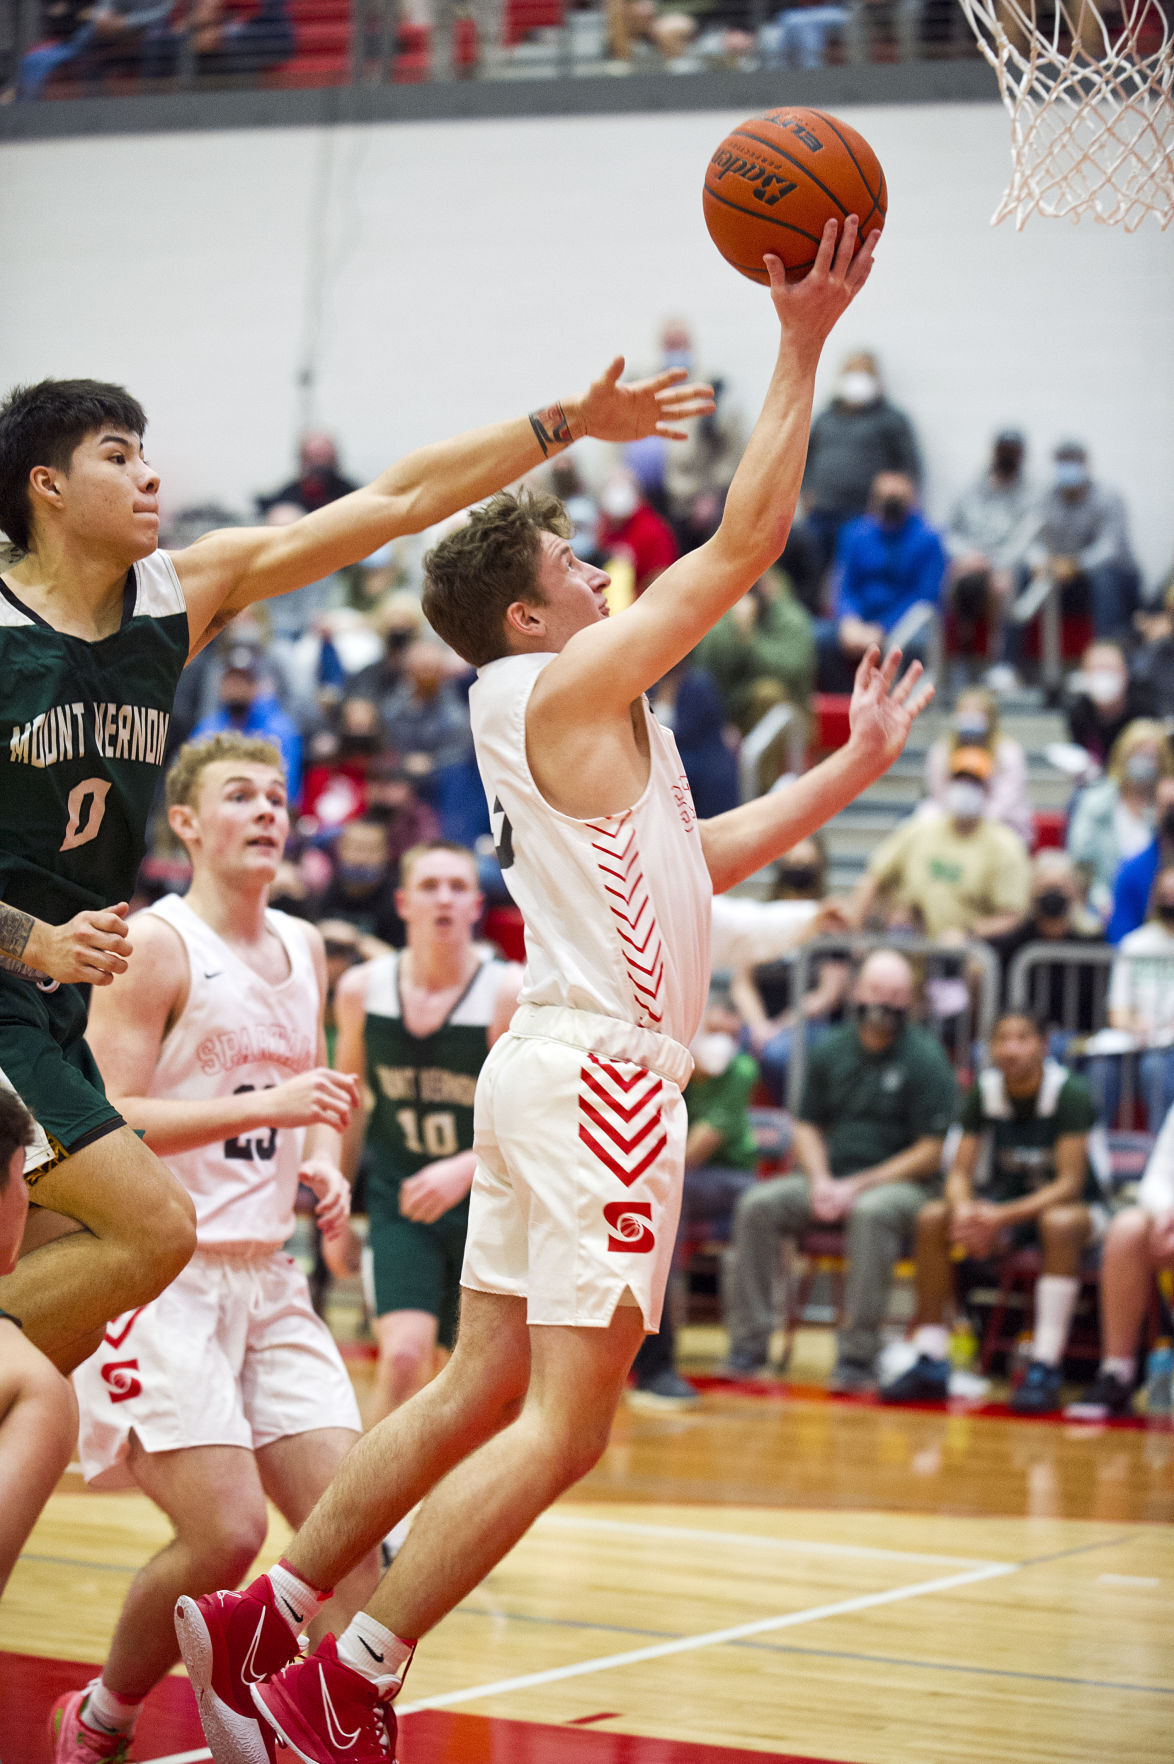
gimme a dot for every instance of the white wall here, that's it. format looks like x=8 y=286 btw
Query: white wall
x=470 y=270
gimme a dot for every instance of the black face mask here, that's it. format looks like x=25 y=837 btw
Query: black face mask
x=890 y=1018
x=801 y=878
x=893 y=510
x=358 y=744
x=1053 y=903
x=1008 y=459
x=1166 y=912
x=237 y=709
x=1166 y=825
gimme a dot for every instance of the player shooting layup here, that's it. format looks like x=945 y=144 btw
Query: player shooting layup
x=95 y=626
x=227 y=1387
x=580 y=1122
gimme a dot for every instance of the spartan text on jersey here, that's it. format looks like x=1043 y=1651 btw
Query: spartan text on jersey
x=113 y=731
x=258 y=1041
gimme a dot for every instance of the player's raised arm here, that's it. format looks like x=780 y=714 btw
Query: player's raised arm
x=611 y=663
x=225 y=571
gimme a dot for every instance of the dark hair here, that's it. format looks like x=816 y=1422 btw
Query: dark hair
x=16 y=1128
x=1037 y=1023
x=479 y=570
x=41 y=425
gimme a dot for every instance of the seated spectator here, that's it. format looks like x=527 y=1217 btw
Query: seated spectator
x=975 y=723
x=984 y=540
x=1021 y=1176
x=721 y=1157
x=247 y=705
x=580 y=506
x=231 y=38
x=1080 y=542
x=1104 y=699
x=400 y=623
x=362 y=887
x=629 y=527
x=854 y=439
x=1135 y=878
x=112 y=35
x=962 y=873
x=688 y=702
x=1140 y=1240
x=698 y=471
x=761 y=653
x=319 y=480
x=392 y=802
x=1151 y=664
x=887 y=560
x=427 y=716
x=1141 y=999
x=1064 y=998
x=878 y=1099
x=336 y=779
x=1113 y=819
x=764 y=995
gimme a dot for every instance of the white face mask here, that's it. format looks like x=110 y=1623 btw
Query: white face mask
x=965 y=800
x=619 y=500
x=972 y=725
x=712 y=1051
x=1104 y=685
x=858 y=388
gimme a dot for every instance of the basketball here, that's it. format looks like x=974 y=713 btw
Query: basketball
x=775 y=182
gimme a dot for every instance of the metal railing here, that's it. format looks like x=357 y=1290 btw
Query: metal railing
x=780 y=719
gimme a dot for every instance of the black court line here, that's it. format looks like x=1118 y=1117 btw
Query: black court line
x=1149 y=1690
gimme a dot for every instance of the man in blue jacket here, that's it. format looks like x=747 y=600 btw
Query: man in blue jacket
x=1135 y=878
x=887 y=560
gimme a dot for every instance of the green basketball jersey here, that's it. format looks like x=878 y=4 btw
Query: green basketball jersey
x=82 y=735
x=423 y=1085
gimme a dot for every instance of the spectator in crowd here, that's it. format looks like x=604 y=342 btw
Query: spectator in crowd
x=319 y=480
x=114 y=34
x=1080 y=542
x=362 y=888
x=1135 y=878
x=761 y=653
x=427 y=715
x=975 y=723
x=399 y=623
x=878 y=1099
x=887 y=560
x=764 y=995
x=248 y=705
x=720 y=1160
x=1151 y=664
x=697 y=473
x=393 y=802
x=1141 y=998
x=688 y=702
x=38 y=1412
x=229 y=40
x=1113 y=819
x=336 y=779
x=1064 y=997
x=984 y=540
x=630 y=527
x=1140 y=1240
x=964 y=874
x=1104 y=699
x=580 y=506
x=1021 y=1176
x=854 y=439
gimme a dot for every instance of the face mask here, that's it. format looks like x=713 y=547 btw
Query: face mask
x=1166 y=824
x=678 y=358
x=1166 y=912
x=972 y=725
x=801 y=879
x=893 y=510
x=360 y=875
x=965 y=800
x=1052 y=903
x=858 y=388
x=1104 y=685
x=1141 y=768
x=1070 y=474
x=619 y=501
x=357 y=744
x=713 y=1051
x=1007 y=460
x=237 y=709
x=890 y=1018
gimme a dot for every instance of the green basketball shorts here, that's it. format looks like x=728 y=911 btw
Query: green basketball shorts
x=416 y=1267
x=44 y=1058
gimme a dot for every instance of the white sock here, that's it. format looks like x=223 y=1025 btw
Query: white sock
x=1122 y=1366
x=932 y=1339
x=108 y=1712
x=373 y=1651
x=298 y=1602
x=1055 y=1300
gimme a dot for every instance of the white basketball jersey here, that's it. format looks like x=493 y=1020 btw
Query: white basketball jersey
x=239 y=1032
x=616 y=908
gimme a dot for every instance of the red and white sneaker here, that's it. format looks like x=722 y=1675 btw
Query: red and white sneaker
x=75 y=1741
x=230 y=1641
x=324 y=1711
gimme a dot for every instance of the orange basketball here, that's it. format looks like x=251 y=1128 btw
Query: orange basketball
x=776 y=181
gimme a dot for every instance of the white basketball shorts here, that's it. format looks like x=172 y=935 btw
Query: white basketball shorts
x=580 y=1140
x=231 y=1353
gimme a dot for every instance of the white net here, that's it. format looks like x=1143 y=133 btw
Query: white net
x=1089 y=92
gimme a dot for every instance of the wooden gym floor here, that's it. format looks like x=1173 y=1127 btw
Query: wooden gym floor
x=791 y=1576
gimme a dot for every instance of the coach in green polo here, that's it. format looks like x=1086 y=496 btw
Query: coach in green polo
x=878 y=1100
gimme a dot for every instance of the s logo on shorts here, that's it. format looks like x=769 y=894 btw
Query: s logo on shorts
x=625 y=1218
x=117 y=1375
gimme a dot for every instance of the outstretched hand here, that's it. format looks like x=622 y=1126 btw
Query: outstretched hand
x=657 y=406
x=883 y=708
x=816 y=301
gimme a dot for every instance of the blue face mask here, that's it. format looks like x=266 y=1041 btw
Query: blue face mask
x=1070 y=474
x=678 y=358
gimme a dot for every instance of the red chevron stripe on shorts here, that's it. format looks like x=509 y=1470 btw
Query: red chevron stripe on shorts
x=631 y=1145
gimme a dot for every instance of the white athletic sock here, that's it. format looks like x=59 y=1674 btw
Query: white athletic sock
x=932 y=1339
x=108 y=1712
x=370 y=1649
x=298 y=1602
x=1122 y=1366
x=1055 y=1300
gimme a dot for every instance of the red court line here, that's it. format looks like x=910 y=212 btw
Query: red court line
x=29 y=1686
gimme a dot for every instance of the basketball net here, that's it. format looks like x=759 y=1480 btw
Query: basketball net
x=1091 y=106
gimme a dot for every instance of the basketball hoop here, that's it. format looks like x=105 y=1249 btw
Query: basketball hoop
x=1089 y=93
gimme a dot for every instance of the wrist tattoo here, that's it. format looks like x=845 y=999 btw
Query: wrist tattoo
x=551 y=428
x=15 y=930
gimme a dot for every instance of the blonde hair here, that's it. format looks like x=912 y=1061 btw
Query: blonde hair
x=1142 y=732
x=194 y=758
x=414 y=853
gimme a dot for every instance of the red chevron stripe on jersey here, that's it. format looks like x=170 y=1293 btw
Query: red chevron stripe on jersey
x=631 y=1144
x=622 y=874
